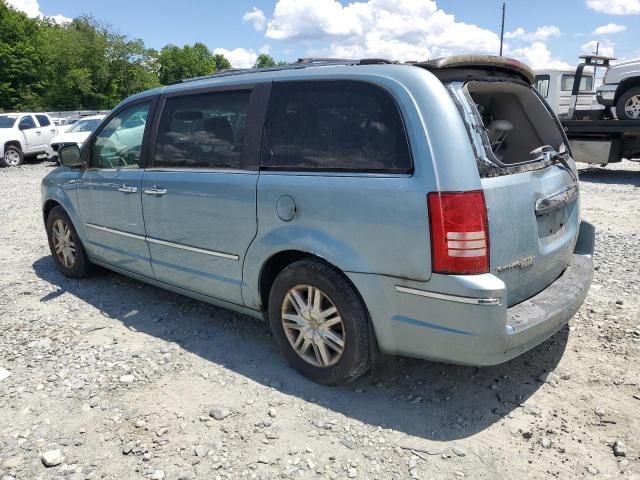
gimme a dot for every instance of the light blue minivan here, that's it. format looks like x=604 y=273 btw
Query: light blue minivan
x=428 y=210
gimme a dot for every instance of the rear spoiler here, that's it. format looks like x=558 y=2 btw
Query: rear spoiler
x=490 y=62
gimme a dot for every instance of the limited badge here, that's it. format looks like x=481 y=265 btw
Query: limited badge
x=522 y=263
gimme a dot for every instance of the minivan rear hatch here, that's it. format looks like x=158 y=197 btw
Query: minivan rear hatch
x=528 y=178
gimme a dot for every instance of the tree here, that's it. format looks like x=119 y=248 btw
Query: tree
x=266 y=61
x=21 y=61
x=78 y=70
x=176 y=63
x=221 y=62
x=132 y=67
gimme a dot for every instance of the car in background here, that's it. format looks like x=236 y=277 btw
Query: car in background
x=556 y=85
x=25 y=134
x=77 y=133
x=621 y=89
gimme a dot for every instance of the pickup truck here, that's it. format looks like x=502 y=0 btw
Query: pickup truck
x=621 y=89
x=25 y=134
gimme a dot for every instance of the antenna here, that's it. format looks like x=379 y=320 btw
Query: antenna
x=502 y=28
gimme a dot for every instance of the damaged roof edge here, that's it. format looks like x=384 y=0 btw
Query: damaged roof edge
x=481 y=61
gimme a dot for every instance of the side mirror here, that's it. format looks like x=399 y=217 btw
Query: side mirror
x=69 y=156
x=23 y=126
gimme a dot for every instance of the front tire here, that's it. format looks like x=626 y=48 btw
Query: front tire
x=320 y=323
x=65 y=245
x=628 y=105
x=12 y=157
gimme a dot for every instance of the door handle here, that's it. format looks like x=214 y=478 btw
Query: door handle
x=38 y=132
x=53 y=131
x=155 y=190
x=127 y=189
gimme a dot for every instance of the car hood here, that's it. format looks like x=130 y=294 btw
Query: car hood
x=625 y=62
x=622 y=70
x=74 y=137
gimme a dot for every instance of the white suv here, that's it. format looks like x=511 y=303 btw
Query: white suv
x=23 y=134
x=621 y=89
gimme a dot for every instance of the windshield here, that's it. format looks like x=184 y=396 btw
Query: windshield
x=85 y=125
x=7 y=121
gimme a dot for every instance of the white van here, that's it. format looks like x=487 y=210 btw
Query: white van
x=556 y=85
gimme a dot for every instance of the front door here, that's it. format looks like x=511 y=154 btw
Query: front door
x=110 y=189
x=199 y=199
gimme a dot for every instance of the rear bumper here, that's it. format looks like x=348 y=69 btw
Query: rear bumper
x=606 y=94
x=470 y=324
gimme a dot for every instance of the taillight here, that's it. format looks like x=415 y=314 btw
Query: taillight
x=459 y=232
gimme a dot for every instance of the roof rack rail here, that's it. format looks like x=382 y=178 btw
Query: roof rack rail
x=343 y=61
x=300 y=63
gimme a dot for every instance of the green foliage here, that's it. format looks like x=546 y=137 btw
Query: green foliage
x=176 y=63
x=84 y=64
x=21 y=60
x=221 y=62
x=267 y=61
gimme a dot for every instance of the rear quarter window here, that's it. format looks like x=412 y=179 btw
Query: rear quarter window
x=43 y=120
x=586 y=83
x=334 y=126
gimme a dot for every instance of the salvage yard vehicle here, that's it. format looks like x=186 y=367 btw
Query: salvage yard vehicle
x=361 y=206
x=621 y=89
x=78 y=132
x=556 y=85
x=25 y=134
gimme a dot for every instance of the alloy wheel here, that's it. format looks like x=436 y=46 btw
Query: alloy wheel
x=313 y=325
x=63 y=243
x=632 y=107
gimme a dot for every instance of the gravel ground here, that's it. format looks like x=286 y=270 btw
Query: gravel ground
x=114 y=379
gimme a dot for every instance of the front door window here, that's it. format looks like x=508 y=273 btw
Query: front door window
x=119 y=144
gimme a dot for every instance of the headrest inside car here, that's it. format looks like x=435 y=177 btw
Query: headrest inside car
x=187 y=115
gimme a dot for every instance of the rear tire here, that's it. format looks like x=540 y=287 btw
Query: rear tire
x=313 y=305
x=66 y=247
x=12 y=157
x=628 y=105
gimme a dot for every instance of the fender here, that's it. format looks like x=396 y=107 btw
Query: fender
x=9 y=140
x=293 y=237
x=60 y=187
x=625 y=84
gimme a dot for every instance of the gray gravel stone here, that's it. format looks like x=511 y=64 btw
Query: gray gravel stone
x=52 y=458
x=550 y=378
x=459 y=451
x=12 y=462
x=619 y=448
x=200 y=451
x=219 y=413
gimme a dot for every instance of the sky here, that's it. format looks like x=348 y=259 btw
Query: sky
x=543 y=33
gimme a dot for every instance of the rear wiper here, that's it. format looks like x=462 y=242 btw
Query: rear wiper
x=562 y=157
x=550 y=154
